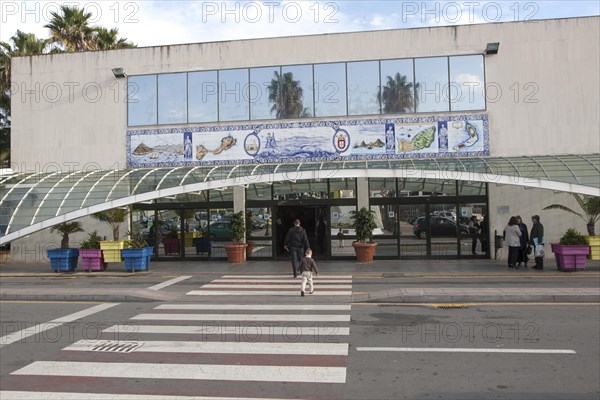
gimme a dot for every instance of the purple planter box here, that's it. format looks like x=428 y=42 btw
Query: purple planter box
x=570 y=258
x=92 y=259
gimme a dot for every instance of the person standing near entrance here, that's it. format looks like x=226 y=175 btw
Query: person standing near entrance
x=536 y=238
x=474 y=232
x=512 y=235
x=522 y=255
x=296 y=241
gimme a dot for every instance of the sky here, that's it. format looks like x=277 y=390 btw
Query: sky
x=153 y=23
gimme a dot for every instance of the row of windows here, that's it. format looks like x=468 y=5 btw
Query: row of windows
x=434 y=84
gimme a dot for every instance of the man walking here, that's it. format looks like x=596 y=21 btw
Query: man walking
x=296 y=241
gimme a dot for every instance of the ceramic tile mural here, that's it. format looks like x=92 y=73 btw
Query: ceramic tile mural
x=366 y=139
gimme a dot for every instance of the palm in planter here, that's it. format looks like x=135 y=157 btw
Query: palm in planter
x=590 y=206
x=363 y=221
x=91 y=255
x=237 y=227
x=65 y=258
x=113 y=218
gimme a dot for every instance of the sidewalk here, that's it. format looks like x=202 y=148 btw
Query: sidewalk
x=501 y=284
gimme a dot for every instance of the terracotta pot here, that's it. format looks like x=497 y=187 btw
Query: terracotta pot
x=249 y=250
x=236 y=252
x=364 y=251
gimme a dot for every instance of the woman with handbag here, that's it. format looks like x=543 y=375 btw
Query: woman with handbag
x=512 y=235
x=536 y=238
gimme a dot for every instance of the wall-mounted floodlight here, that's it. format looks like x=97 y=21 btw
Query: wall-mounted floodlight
x=119 y=73
x=492 y=48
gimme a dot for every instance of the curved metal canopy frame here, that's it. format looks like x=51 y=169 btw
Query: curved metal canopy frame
x=32 y=202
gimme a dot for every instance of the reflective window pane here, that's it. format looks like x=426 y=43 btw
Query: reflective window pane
x=342 y=188
x=330 y=90
x=172 y=98
x=342 y=232
x=382 y=187
x=234 y=95
x=397 y=86
x=264 y=92
x=363 y=88
x=467 y=83
x=432 y=84
x=141 y=99
x=203 y=89
x=296 y=88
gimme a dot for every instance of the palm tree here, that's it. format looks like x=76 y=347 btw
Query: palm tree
x=20 y=44
x=286 y=95
x=590 y=206
x=109 y=40
x=397 y=95
x=65 y=229
x=70 y=29
x=113 y=218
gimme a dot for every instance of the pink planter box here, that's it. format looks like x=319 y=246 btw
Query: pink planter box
x=91 y=259
x=570 y=258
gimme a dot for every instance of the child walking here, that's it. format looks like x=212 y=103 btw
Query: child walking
x=307 y=267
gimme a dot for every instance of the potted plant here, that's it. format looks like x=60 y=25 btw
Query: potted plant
x=171 y=241
x=136 y=253
x=64 y=258
x=571 y=251
x=237 y=227
x=363 y=221
x=590 y=205
x=91 y=254
x=111 y=249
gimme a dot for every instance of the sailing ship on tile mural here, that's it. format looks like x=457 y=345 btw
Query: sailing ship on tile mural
x=367 y=139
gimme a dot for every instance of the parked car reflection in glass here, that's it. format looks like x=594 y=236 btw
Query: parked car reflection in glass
x=219 y=230
x=440 y=227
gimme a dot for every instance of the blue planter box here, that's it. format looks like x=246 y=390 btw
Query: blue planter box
x=63 y=259
x=137 y=259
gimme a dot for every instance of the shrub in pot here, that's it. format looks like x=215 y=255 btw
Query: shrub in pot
x=91 y=254
x=237 y=227
x=363 y=221
x=571 y=251
x=136 y=253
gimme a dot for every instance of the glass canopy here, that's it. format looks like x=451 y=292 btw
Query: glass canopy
x=34 y=201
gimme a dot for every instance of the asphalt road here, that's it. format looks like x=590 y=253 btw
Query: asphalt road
x=334 y=363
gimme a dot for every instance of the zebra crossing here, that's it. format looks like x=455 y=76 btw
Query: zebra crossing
x=273 y=285
x=264 y=349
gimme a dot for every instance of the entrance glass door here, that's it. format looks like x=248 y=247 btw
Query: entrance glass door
x=411 y=225
x=444 y=230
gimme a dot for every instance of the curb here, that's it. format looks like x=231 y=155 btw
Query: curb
x=412 y=299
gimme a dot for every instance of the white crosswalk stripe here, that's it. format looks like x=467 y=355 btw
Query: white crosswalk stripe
x=274 y=285
x=272 y=344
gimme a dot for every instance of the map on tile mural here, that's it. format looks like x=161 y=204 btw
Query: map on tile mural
x=366 y=139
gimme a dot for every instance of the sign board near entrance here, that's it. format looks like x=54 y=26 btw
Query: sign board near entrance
x=366 y=139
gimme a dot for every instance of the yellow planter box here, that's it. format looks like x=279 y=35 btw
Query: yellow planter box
x=112 y=250
x=189 y=236
x=594 y=242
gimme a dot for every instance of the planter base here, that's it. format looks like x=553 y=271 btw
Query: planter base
x=594 y=242
x=235 y=253
x=364 y=251
x=570 y=258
